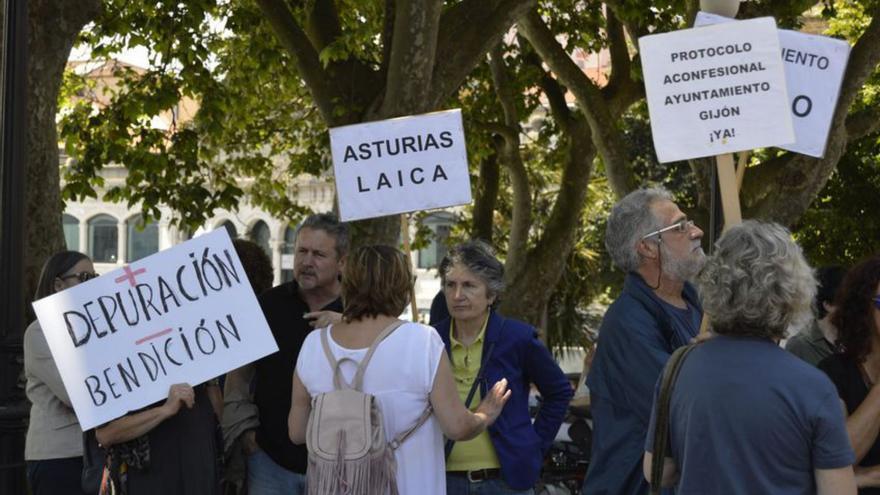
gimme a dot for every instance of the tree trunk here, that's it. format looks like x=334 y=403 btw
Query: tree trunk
x=54 y=25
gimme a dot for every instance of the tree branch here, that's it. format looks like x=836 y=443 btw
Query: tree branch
x=605 y=134
x=308 y=64
x=862 y=123
x=509 y=153
x=467 y=31
x=486 y=197
x=412 y=58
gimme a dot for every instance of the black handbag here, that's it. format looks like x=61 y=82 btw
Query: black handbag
x=94 y=459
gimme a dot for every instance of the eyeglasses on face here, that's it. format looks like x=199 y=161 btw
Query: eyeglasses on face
x=681 y=227
x=876 y=301
x=81 y=276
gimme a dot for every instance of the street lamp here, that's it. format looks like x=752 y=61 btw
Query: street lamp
x=727 y=8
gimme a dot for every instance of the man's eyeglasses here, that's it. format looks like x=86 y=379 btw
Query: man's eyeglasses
x=680 y=227
x=81 y=276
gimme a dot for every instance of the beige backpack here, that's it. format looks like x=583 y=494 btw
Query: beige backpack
x=345 y=436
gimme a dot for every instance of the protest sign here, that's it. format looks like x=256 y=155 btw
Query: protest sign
x=400 y=165
x=186 y=314
x=716 y=90
x=814 y=68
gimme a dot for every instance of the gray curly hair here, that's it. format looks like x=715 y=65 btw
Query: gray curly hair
x=630 y=219
x=757 y=282
x=480 y=259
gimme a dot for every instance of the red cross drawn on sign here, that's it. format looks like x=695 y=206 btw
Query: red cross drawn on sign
x=129 y=275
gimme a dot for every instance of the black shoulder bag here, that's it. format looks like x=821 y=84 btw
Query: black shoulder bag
x=661 y=414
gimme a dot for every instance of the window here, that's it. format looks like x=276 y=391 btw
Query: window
x=230 y=228
x=103 y=239
x=141 y=240
x=71 y=231
x=287 y=255
x=440 y=225
x=260 y=235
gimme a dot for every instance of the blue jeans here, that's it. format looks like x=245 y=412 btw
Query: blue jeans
x=459 y=485
x=265 y=477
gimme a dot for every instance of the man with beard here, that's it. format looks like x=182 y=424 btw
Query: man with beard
x=651 y=240
x=258 y=425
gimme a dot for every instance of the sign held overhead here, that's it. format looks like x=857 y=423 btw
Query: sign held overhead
x=400 y=165
x=716 y=90
x=814 y=69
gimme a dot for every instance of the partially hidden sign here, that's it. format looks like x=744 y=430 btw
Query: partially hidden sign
x=716 y=89
x=814 y=69
x=400 y=165
x=186 y=314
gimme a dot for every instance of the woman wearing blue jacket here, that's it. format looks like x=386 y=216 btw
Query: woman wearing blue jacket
x=483 y=348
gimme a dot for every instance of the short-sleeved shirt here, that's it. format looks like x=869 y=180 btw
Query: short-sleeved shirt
x=747 y=417
x=401 y=376
x=851 y=388
x=810 y=344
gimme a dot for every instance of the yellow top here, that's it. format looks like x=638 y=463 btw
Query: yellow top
x=477 y=453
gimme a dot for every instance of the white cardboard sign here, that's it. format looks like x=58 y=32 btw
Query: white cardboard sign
x=400 y=165
x=814 y=69
x=716 y=89
x=186 y=314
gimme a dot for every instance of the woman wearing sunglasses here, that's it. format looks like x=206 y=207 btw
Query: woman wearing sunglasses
x=53 y=448
x=856 y=370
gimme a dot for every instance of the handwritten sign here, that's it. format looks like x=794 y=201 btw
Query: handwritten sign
x=715 y=90
x=400 y=165
x=186 y=314
x=814 y=68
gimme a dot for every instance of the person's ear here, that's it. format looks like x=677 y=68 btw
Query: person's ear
x=57 y=284
x=648 y=248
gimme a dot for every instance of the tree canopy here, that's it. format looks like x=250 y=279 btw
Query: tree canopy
x=550 y=147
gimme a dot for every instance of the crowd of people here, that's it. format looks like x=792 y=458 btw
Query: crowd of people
x=736 y=414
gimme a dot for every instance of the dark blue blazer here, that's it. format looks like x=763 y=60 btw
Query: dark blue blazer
x=520 y=357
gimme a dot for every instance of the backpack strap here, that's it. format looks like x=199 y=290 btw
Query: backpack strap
x=402 y=436
x=338 y=381
x=661 y=413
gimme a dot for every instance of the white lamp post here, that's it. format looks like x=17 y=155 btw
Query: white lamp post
x=727 y=8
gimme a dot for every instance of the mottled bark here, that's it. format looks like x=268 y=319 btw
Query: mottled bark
x=485 y=198
x=54 y=25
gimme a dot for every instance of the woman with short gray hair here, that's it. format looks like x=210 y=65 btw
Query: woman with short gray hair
x=484 y=347
x=745 y=416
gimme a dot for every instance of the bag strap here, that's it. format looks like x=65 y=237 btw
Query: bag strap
x=338 y=381
x=661 y=414
x=470 y=397
x=402 y=436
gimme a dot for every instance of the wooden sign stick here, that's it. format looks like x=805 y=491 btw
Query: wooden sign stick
x=404 y=230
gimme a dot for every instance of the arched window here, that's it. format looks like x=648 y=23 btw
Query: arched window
x=230 y=228
x=141 y=240
x=287 y=255
x=260 y=234
x=103 y=239
x=440 y=224
x=71 y=231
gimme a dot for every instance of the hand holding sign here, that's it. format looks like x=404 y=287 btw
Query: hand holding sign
x=180 y=394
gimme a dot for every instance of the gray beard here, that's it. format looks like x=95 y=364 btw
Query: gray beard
x=685 y=269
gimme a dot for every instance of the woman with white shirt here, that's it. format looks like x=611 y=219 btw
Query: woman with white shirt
x=408 y=371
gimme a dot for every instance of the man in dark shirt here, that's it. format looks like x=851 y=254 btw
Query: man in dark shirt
x=275 y=465
x=651 y=240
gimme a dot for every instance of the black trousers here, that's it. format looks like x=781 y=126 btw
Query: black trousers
x=55 y=476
